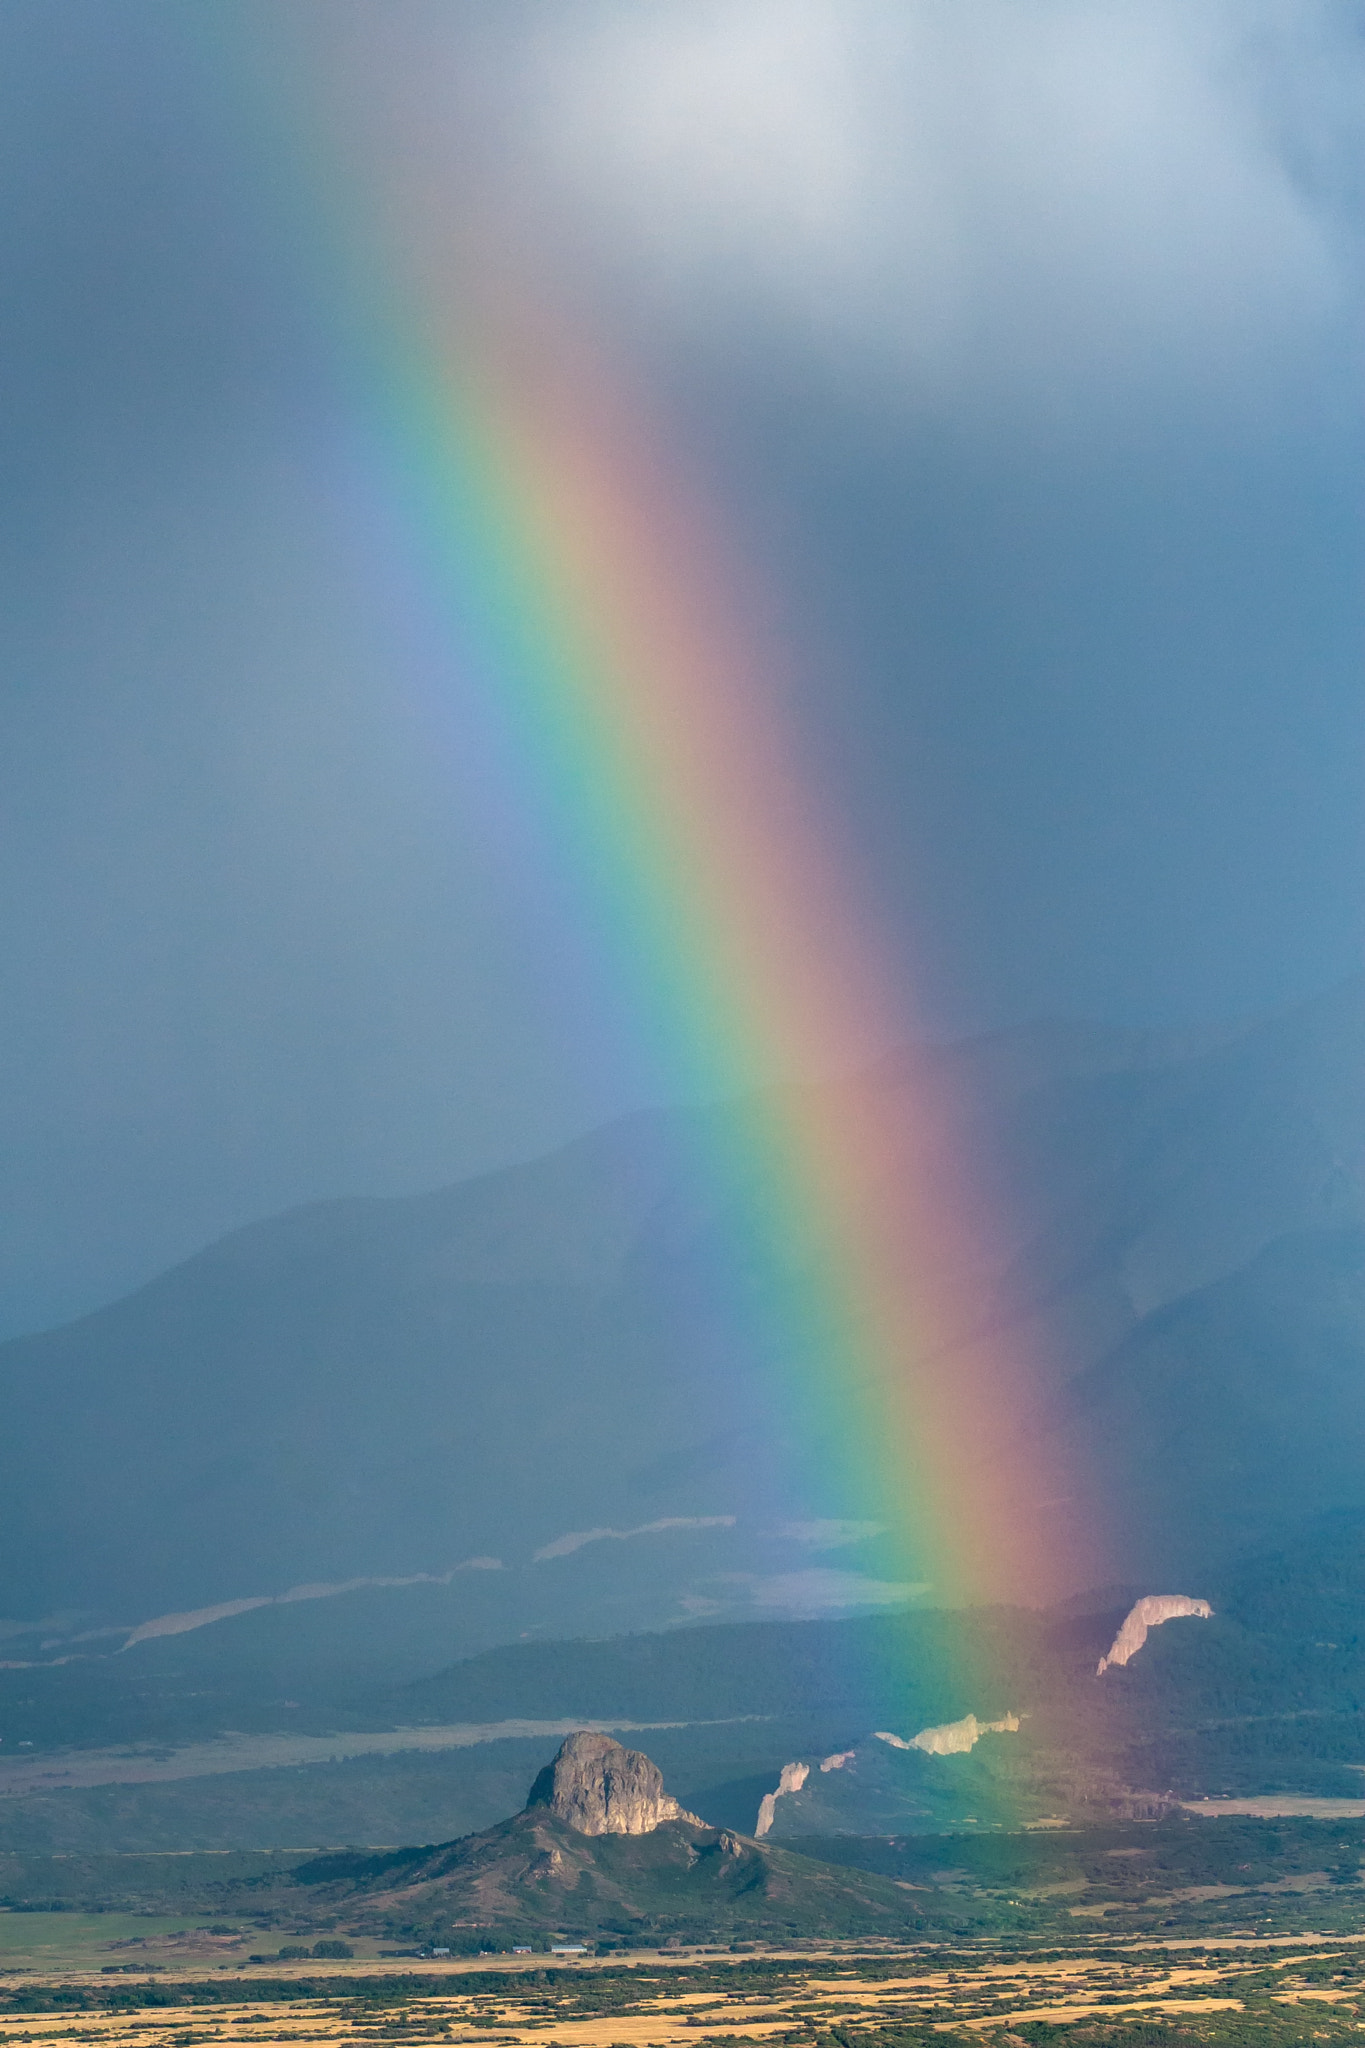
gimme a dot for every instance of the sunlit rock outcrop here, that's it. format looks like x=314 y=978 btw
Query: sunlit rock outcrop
x=792 y=1779
x=600 y=1788
x=1147 y=1613
x=953 y=1738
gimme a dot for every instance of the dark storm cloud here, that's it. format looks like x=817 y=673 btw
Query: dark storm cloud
x=1027 y=340
x=252 y=945
x=1021 y=343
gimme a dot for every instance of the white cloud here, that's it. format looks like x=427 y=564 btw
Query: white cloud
x=995 y=188
x=953 y=195
x=203 y=1617
x=822 y=1591
x=564 y=1546
x=196 y=1617
x=702 y=1605
x=831 y=1535
x=60 y=1622
x=325 y=1588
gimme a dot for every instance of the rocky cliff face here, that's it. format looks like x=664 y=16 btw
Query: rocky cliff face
x=1149 y=1613
x=600 y=1788
x=952 y=1738
x=792 y=1779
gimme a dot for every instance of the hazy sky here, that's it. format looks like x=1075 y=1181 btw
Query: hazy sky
x=1019 y=340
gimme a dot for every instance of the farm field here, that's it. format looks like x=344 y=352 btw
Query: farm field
x=68 y=1941
x=1274 y=1989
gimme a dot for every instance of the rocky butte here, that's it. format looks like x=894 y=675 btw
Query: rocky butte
x=600 y=1788
x=601 y=1847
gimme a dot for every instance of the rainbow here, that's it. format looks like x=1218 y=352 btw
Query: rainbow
x=639 y=696
x=603 y=608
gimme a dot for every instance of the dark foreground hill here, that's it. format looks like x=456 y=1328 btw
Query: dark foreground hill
x=387 y=1390
x=535 y=1875
x=601 y=1849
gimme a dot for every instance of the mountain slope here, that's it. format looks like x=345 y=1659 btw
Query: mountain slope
x=600 y=1847
x=1224 y=1415
x=1266 y=1697
x=546 y=1359
x=535 y=1874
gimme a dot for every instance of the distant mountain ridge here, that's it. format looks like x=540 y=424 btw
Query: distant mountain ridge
x=1263 y=1696
x=382 y=1389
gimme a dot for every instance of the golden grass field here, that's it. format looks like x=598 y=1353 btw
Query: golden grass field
x=656 y=2001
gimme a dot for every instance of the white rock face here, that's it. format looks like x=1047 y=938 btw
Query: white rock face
x=953 y=1738
x=792 y=1779
x=599 y=1788
x=1149 y=1612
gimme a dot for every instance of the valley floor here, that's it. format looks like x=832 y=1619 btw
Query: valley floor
x=1277 y=1989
